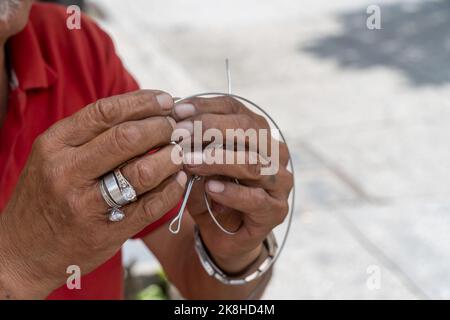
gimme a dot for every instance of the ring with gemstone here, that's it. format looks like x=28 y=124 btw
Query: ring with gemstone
x=115 y=215
x=126 y=189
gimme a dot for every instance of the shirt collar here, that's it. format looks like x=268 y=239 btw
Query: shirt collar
x=27 y=61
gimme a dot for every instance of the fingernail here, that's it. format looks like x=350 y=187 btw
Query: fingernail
x=165 y=101
x=186 y=125
x=181 y=178
x=184 y=110
x=193 y=158
x=172 y=122
x=215 y=186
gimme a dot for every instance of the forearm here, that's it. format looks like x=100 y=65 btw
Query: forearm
x=12 y=284
x=15 y=288
x=183 y=268
x=195 y=283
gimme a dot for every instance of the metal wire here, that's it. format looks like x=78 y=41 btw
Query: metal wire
x=205 y=195
x=291 y=164
x=230 y=233
x=228 y=69
x=179 y=217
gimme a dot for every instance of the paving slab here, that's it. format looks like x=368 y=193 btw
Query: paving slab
x=322 y=261
x=414 y=236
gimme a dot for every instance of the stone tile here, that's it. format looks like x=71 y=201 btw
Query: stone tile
x=323 y=261
x=395 y=160
x=414 y=234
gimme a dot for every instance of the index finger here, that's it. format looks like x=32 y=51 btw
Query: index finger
x=218 y=105
x=106 y=113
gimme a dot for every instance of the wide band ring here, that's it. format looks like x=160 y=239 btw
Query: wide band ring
x=117 y=192
x=113 y=189
x=114 y=212
x=106 y=195
x=121 y=192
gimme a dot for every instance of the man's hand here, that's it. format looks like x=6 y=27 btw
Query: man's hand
x=254 y=206
x=57 y=216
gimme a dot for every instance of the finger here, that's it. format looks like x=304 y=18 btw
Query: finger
x=108 y=112
x=256 y=204
x=212 y=122
x=122 y=143
x=218 y=105
x=233 y=130
x=152 y=205
x=147 y=172
x=242 y=165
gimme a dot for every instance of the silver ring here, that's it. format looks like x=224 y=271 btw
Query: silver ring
x=126 y=189
x=115 y=215
x=117 y=192
x=106 y=195
x=113 y=189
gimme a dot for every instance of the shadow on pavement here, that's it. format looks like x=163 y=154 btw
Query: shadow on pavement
x=414 y=40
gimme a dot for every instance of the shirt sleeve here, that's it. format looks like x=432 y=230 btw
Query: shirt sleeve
x=119 y=81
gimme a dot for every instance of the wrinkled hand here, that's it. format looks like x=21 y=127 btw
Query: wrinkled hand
x=254 y=206
x=57 y=217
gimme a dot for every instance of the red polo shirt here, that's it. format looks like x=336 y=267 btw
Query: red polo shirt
x=55 y=72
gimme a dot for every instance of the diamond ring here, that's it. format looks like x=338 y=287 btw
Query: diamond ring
x=127 y=190
x=117 y=192
x=115 y=215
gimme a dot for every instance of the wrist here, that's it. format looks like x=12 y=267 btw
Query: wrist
x=16 y=278
x=238 y=264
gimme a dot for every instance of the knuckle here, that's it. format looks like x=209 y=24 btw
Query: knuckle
x=254 y=171
x=262 y=121
x=152 y=208
x=243 y=121
x=283 y=210
x=259 y=195
x=162 y=127
x=46 y=160
x=40 y=145
x=284 y=153
x=290 y=180
x=234 y=105
x=167 y=197
x=253 y=165
x=166 y=126
x=145 y=174
x=236 y=121
x=164 y=135
x=248 y=195
x=139 y=98
x=126 y=135
x=231 y=104
x=103 y=110
x=147 y=208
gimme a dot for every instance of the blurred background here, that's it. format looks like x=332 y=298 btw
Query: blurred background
x=366 y=114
